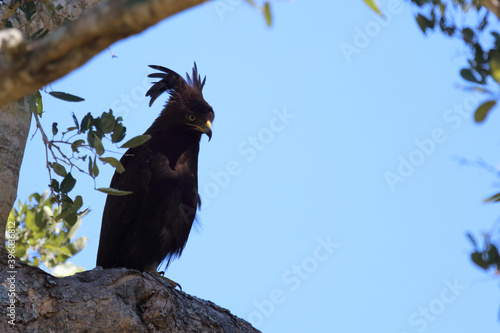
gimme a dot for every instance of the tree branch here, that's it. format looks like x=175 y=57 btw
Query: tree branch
x=493 y=6
x=111 y=300
x=39 y=62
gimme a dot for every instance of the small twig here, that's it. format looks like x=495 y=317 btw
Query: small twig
x=46 y=144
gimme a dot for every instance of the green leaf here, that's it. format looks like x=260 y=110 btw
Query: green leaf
x=54 y=128
x=55 y=185
x=59 y=169
x=95 y=169
x=466 y=74
x=493 y=198
x=35 y=101
x=477 y=258
x=71 y=219
x=66 y=97
x=483 y=110
x=114 y=162
x=99 y=148
x=113 y=191
x=75 y=120
x=39 y=104
x=493 y=254
x=374 y=7
x=62 y=215
x=90 y=167
x=118 y=133
x=78 y=202
x=86 y=122
x=107 y=122
x=423 y=22
x=66 y=268
x=495 y=68
x=136 y=141
x=68 y=183
x=267 y=13
x=76 y=144
x=468 y=34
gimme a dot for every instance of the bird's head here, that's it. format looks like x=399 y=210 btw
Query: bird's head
x=186 y=107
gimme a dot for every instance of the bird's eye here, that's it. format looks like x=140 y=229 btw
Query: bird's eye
x=191 y=117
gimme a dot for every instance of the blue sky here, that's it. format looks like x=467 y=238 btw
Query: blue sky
x=300 y=229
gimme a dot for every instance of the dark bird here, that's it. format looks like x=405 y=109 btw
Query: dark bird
x=142 y=229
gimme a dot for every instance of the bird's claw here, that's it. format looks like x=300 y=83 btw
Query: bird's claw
x=172 y=283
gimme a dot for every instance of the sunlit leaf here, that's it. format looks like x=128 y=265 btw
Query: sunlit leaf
x=67 y=269
x=483 y=110
x=136 y=141
x=267 y=13
x=495 y=68
x=493 y=198
x=113 y=191
x=373 y=5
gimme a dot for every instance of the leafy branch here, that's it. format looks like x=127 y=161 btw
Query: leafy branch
x=477 y=34
x=41 y=241
x=81 y=144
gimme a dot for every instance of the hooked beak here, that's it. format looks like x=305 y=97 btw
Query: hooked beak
x=207 y=129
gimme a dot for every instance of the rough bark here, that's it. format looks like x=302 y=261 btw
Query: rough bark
x=15 y=122
x=493 y=6
x=26 y=66
x=111 y=300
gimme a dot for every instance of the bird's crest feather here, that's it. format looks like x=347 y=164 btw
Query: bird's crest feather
x=172 y=82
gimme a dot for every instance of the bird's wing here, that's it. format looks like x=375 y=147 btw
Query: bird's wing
x=120 y=212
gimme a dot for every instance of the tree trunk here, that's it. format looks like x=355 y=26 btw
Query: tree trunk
x=15 y=120
x=112 y=300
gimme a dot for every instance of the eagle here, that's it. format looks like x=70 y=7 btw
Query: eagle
x=152 y=224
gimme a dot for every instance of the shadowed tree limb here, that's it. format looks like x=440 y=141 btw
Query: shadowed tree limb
x=28 y=65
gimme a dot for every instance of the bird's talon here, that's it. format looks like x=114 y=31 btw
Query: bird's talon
x=172 y=283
